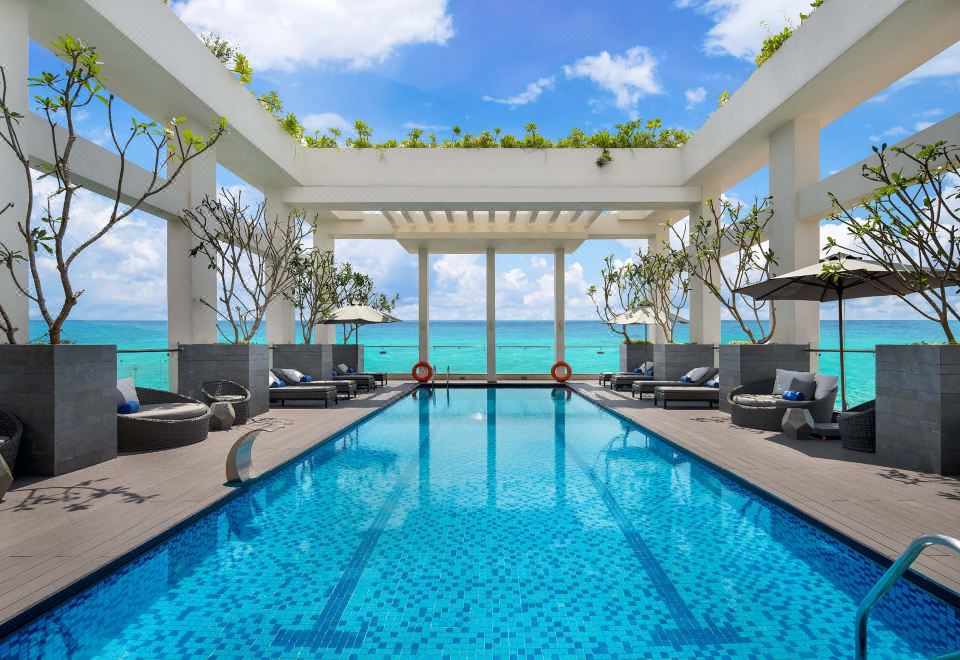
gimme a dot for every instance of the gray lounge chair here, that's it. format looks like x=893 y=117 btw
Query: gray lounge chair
x=307 y=392
x=648 y=386
x=754 y=406
x=165 y=420
x=291 y=377
x=625 y=379
x=692 y=394
x=364 y=381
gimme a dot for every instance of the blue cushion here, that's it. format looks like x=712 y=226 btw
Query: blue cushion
x=349 y=370
x=686 y=379
x=637 y=370
x=713 y=383
x=306 y=379
x=334 y=373
x=128 y=407
x=278 y=383
x=650 y=371
x=792 y=395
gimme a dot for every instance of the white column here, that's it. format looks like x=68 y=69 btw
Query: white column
x=14 y=44
x=704 y=306
x=281 y=315
x=491 y=314
x=423 y=303
x=188 y=279
x=794 y=164
x=559 y=304
x=323 y=334
x=655 y=333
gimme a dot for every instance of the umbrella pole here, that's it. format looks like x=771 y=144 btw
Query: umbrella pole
x=843 y=380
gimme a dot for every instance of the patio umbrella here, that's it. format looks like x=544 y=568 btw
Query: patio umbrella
x=358 y=315
x=854 y=278
x=640 y=316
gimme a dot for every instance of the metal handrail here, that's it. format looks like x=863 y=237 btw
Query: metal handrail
x=149 y=350
x=891 y=576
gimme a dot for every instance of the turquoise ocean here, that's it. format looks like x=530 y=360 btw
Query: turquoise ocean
x=523 y=346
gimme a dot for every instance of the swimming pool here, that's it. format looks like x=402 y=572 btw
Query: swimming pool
x=488 y=522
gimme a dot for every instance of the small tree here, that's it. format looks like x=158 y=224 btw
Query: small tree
x=320 y=287
x=251 y=254
x=60 y=97
x=617 y=295
x=910 y=226
x=664 y=281
x=726 y=252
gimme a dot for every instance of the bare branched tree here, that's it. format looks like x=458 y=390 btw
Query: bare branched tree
x=251 y=254
x=910 y=226
x=736 y=237
x=663 y=280
x=60 y=97
x=617 y=295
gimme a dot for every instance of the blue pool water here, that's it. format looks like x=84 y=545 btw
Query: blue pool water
x=490 y=522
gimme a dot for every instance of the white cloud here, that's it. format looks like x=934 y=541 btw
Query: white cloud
x=538 y=262
x=321 y=121
x=285 y=34
x=920 y=125
x=740 y=26
x=947 y=63
x=695 y=96
x=629 y=77
x=892 y=132
x=528 y=95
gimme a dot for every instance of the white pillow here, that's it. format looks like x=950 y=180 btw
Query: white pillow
x=825 y=383
x=271 y=379
x=343 y=369
x=784 y=378
x=696 y=374
x=291 y=375
x=128 y=390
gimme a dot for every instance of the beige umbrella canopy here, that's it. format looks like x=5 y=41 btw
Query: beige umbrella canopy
x=640 y=316
x=358 y=315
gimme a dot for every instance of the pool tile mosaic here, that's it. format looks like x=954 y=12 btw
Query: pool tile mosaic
x=492 y=523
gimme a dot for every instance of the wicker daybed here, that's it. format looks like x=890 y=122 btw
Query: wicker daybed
x=858 y=427
x=753 y=406
x=226 y=391
x=11 y=431
x=165 y=420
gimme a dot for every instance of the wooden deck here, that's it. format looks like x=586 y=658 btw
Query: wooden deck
x=881 y=507
x=58 y=531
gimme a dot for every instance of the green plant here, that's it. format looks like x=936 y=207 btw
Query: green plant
x=723 y=98
x=664 y=281
x=727 y=251
x=618 y=294
x=910 y=226
x=168 y=148
x=604 y=158
x=773 y=42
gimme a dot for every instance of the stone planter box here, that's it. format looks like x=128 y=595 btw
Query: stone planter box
x=246 y=364
x=64 y=395
x=670 y=361
x=747 y=363
x=633 y=355
x=348 y=354
x=918 y=408
x=313 y=359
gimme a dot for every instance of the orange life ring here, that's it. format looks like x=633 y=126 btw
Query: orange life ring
x=421 y=377
x=560 y=364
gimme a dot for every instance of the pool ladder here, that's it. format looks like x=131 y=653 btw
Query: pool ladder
x=889 y=578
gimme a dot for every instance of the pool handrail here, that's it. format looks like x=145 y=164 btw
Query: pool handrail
x=888 y=579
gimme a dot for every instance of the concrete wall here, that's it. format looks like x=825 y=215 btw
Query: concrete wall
x=315 y=360
x=633 y=355
x=746 y=363
x=918 y=407
x=349 y=354
x=64 y=395
x=246 y=364
x=670 y=361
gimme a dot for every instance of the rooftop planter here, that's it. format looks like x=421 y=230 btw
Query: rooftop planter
x=316 y=360
x=918 y=407
x=63 y=395
x=741 y=364
x=633 y=355
x=670 y=361
x=246 y=364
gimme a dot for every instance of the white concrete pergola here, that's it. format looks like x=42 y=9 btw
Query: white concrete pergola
x=485 y=201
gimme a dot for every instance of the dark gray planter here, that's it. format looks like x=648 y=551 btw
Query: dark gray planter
x=313 y=359
x=246 y=364
x=348 y=354
x=64 y=395
x=670 y=361
x=918 y=407
x=633 y=355
x=747 y=363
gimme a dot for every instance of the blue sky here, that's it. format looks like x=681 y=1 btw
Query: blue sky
x=482 y=64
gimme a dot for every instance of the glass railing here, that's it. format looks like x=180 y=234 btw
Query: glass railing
x=149 y=367
x=472 y=358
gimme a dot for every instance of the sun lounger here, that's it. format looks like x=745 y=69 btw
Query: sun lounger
x=694 y=393
x=325 y=393
x=699 y=376
x=625 y=379
x=292 y=377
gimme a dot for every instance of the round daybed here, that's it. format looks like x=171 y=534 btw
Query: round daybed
x=11 y=430
x=164 y=420
x=754 y=407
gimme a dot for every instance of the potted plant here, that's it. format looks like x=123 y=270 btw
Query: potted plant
x=725 y=252
x=909 y=226
x=252 y=257
x=59 y=390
